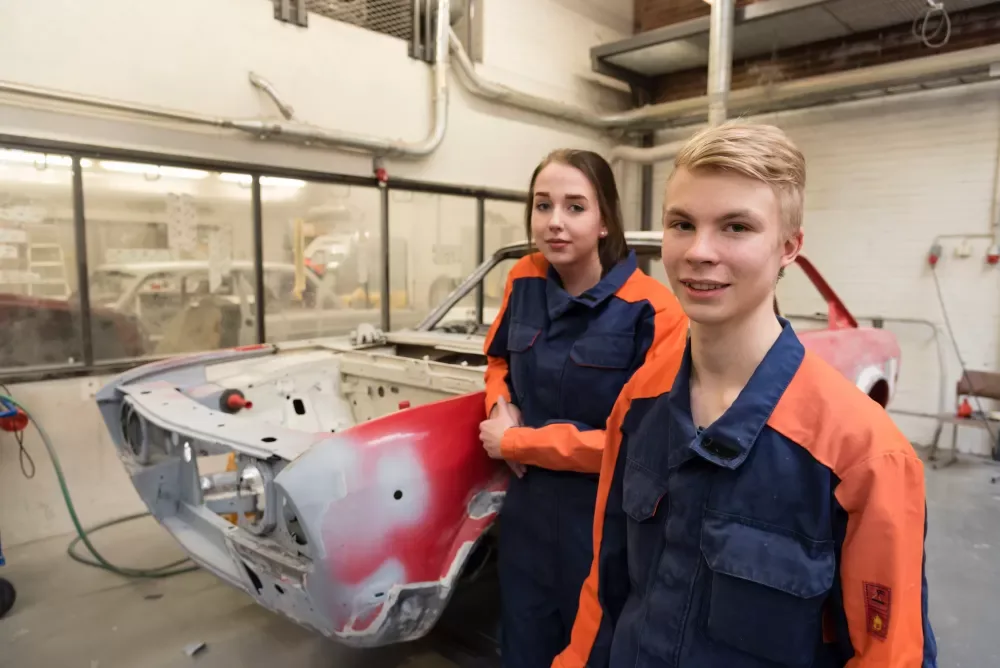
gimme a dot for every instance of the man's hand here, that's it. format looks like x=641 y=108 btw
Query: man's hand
x=502 y=417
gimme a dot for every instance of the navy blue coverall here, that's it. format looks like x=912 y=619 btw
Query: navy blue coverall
x=562 y=360
x=789 y=532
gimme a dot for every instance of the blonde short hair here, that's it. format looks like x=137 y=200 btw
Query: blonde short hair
x=757 y=151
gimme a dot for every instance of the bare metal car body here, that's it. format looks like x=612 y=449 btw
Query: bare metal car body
x=360 y=489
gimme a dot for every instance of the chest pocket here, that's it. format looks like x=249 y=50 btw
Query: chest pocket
x=644 y=502
x=521 y=338
x=768 y=588
x=601 y=364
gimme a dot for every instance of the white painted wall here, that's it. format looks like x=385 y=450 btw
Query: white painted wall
x=883 y=182
x=34 y=509
x=195 y=55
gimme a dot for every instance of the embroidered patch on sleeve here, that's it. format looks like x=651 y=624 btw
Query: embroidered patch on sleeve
x=878 y=604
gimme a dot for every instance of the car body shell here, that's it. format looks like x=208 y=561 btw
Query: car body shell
x=358 y=485
x=158 y=293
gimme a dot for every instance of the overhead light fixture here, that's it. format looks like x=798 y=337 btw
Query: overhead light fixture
x=153 y=170
x=282 y=182
x=242 y=179
x=39 y=159
x=247 y=179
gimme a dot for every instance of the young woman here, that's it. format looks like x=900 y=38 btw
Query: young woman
x=577 y=319
x=755 y=508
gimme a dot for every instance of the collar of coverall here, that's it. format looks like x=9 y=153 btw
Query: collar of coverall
x=559 y=301
x=727 y=441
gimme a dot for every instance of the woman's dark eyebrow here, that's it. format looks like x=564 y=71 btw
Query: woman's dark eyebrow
x=542 y=193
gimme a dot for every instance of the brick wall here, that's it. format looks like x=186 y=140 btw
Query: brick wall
x=883 y=181
x=968 y=29
x=651 y=14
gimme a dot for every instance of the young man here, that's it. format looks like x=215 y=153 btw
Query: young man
x=755 y=508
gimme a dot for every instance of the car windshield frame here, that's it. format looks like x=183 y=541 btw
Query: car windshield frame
x=643 y=249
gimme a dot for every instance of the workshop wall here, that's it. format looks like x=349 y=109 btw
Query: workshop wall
x=883 y=182
x=195 y=56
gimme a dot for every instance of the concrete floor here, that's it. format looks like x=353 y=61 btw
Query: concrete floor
x=71 y=615
x=68 y=614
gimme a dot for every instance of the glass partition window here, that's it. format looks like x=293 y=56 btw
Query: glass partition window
x=170 y=256
x=432 y=250
x=461 y=318
x=503 y=223
x=322 y=258
x=39 y=310
x=170 y=264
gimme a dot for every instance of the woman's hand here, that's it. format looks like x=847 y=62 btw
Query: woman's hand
x=502 y=417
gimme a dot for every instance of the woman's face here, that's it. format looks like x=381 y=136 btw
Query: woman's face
x=566 y=223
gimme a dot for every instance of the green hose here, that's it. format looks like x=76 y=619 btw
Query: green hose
x=83 y=535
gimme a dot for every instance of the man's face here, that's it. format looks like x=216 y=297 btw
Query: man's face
x=723 y=244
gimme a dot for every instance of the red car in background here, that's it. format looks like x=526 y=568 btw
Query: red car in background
x=38 y=332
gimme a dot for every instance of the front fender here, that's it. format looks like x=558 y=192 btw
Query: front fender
x=392 y=509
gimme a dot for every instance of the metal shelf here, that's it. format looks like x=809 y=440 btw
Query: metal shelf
x=761 y=28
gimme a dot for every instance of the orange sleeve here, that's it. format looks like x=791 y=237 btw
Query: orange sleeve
x=882 y=564
x=560 y=446
x=567 y=446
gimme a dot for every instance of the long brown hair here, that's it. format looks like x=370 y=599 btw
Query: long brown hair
x=611 y=249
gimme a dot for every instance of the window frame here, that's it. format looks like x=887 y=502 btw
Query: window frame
x=78 y=152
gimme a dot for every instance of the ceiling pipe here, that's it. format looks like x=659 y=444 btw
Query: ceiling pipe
x=268 y=89
x=846 y=82
x=720 y=67
x=755 y=101
x=288 y=130
x=492 y=91
x=690 y=110
x=383 y=147
x=667 y=151
x=645 y=156
x=720 y=59
x=105 y=104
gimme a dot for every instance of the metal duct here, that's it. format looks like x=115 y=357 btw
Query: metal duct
x=759 y=99
x=720 y=58
x=481 y=87
x=646 y=156
x=667 y=151
x=744 y=100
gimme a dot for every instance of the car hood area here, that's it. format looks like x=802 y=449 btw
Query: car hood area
x=342 y=487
